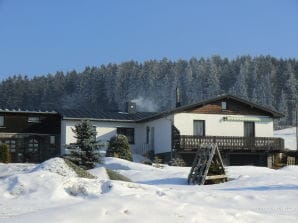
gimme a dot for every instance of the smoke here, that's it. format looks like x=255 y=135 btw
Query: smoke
x=145 y=105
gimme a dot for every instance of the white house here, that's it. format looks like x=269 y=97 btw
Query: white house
x=243 y=130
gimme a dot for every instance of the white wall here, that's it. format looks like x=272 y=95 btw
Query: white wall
x=216 y=126
x=162 y=134
x=105 y=130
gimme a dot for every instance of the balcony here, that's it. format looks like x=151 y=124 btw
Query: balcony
x=190 y=143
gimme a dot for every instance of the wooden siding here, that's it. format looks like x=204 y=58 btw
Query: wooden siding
x=233 y=108
x=31 y=141
x=18 y=123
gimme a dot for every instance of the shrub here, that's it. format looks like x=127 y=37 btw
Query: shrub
x=119 y=147
x=5 y=156
x=157 y=161
x=178 y=161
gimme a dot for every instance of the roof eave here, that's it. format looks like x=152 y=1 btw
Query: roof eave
x=101 y=120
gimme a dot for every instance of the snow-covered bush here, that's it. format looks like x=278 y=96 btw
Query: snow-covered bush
x=118 y=147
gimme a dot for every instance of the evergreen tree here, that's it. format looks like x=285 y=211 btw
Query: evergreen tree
x=240 y=87
x=109 y=87
x=85 y=152
x=292 y=93
x=282 y=107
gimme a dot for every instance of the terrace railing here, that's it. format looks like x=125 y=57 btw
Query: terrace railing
x=184 y=143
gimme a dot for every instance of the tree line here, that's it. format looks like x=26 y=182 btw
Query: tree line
x=265 y=80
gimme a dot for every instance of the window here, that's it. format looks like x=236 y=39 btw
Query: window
x=249 y=129
x=199 y=127
x=52 y=140
x=34 y=119
x=11 y=145
x=147 y=134
x=1 y=121
x=33 y=145
x=223 y=105
x=129 y=133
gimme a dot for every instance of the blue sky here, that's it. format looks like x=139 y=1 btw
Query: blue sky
x=42 y=36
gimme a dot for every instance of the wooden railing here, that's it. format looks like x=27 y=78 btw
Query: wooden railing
x=191 y=142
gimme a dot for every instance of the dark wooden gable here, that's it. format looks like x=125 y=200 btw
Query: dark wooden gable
x=234 y=107
x=18 y=123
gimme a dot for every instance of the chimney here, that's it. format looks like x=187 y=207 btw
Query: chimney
x=178 y=103
x=131 y=107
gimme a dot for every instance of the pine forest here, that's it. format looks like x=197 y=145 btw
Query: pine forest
x=152 y=84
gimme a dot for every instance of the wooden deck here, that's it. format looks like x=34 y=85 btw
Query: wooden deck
x=190 y=143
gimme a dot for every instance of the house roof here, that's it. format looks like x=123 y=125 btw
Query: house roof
x=71 y=114
x=271 y=112
x=77 y=114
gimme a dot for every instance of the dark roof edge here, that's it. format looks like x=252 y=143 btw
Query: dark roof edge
x=98 y=119
x=28 y=111
x=275 y=114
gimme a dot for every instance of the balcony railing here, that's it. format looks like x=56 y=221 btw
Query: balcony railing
x=184 y=143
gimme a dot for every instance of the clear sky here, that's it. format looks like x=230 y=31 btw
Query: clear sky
x=43 y=36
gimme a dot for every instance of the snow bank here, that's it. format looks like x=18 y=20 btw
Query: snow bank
x=289 y=135
x=14 y=168
x=56 y=165
x=146 y=174
x=255 y=194
x=100 y=173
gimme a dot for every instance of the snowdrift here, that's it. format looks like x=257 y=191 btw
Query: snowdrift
x=49 y=192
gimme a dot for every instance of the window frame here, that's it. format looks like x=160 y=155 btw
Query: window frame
x=253 y=128
x=147 y=134
x=33 y=145
x=125 y=131
x=224 y=105
x=2 y=122
x=204 y=127
x=38 y=119
x=52 y=140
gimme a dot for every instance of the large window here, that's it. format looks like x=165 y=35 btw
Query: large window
x=249 y=129
x=199 y=127
x=129 y=133
x=1 y=120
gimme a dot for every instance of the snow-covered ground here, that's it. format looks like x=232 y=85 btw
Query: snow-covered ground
x=289 y=135
x=50 y=192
